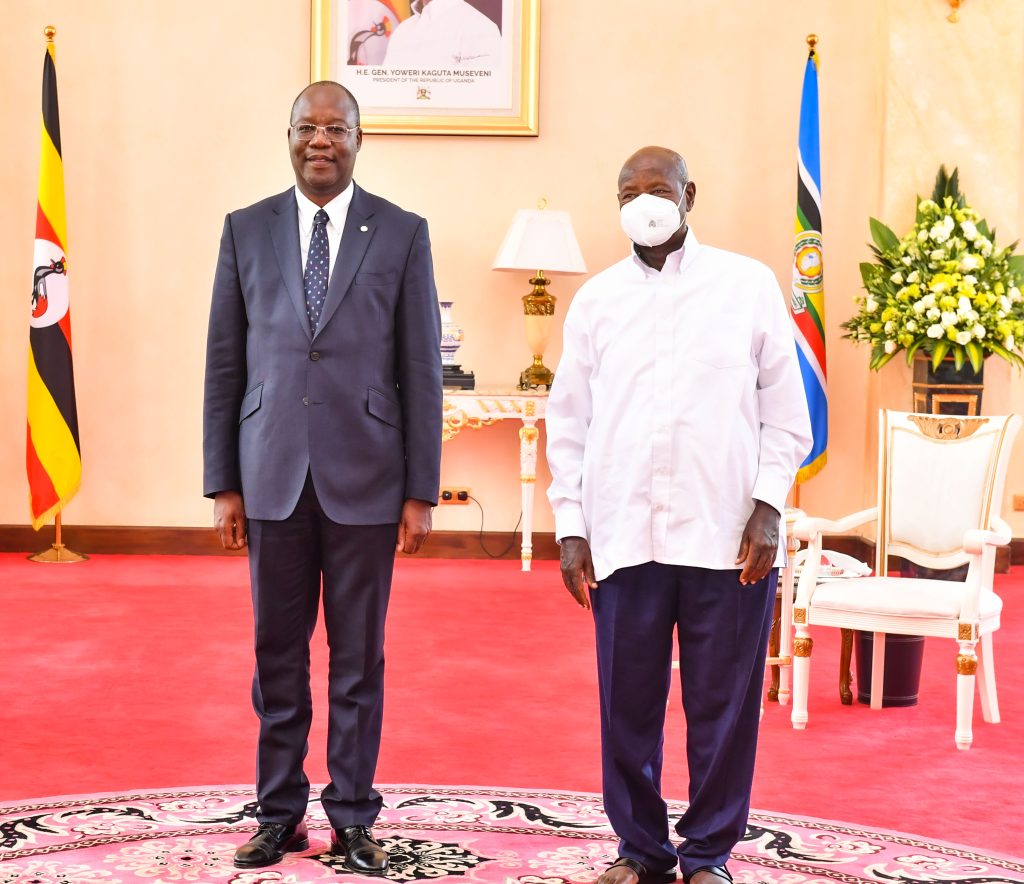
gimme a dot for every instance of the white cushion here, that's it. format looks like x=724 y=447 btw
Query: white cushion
x=901 y=597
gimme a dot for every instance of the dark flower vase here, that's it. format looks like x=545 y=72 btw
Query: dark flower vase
x=947 y=391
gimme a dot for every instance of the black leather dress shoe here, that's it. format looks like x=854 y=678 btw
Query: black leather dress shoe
x=362 y=854
x=269 y=844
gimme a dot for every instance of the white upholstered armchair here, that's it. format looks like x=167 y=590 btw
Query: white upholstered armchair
x=940 y=488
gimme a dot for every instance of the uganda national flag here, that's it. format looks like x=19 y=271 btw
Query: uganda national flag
x=53 y=457
x=808 y=301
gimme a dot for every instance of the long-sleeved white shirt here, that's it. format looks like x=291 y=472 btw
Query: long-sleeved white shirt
x=677 y=403
x=447 y=33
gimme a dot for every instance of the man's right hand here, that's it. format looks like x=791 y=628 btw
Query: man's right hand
x=229 y=519
x=578 y=569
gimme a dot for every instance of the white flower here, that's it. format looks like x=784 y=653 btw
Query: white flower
x=937 y=255
x=986 y=246
x=934 y=313
x=896 y=278
x=939 y=233
x=871 y=305
x=978 y=331
x=906 y=262
x=1015 y=294
x=911 y=325
x=936 y=331
x=928 y=205
x=969 y=231
x=970 y=280
x=890 y=347
x=922 y=235
x=919 y=307
x=889 y=326
x=948 y=223
x=949 y=318
x=1009 y=342
x=963 y=337
x=928 y=300
x=1004 y=303
x=913 y=276
x=970 y=262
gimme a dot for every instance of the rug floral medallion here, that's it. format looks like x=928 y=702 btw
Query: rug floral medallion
x=469 y=834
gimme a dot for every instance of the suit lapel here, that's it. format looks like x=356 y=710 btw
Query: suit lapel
x=284 y=232
x=355 y=239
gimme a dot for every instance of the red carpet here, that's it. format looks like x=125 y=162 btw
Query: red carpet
x=132 y=673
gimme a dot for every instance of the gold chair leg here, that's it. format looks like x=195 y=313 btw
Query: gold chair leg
x=845 y=677
x=774 y=638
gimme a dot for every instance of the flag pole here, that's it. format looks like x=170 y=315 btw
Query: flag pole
x=57 y=553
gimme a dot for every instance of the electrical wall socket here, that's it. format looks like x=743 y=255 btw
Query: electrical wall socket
x=453 y=495
x=1018 y=502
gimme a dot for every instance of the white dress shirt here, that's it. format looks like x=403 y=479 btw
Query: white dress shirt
x=677 y=403
x=447 y=33
x=337 y=212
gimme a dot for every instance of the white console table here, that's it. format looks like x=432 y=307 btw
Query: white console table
x=472 y=409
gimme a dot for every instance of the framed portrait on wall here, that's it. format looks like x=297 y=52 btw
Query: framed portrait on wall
x=435 y=67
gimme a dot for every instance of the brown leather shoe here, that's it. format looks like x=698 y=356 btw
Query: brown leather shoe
x=271 y=842
x=362 y=853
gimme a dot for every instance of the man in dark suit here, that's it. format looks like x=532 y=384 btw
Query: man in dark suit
x=322 y=444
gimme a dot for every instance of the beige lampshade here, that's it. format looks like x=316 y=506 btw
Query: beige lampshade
x=540 y=239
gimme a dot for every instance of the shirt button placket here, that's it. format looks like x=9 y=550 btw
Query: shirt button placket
x=661 y=449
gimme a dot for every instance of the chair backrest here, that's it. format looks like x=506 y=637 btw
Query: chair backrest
x=938 y=476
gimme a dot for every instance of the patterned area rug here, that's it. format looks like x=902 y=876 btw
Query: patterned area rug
x=486 y=835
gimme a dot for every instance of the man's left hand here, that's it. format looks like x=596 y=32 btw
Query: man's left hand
x=414 y=526
x=760 y=543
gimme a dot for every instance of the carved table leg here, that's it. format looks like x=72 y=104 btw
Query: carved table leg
x=773 y=649
x=528 y=434
x=845 y=677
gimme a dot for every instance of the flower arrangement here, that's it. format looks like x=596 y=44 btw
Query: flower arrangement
x=943 y=289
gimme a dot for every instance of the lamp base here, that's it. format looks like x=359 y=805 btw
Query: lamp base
x=536 y=376
x=452 y=376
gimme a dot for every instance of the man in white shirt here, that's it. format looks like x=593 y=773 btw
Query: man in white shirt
x=445 y=33
x=675 y=426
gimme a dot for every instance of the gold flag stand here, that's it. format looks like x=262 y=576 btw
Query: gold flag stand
x=57 y=553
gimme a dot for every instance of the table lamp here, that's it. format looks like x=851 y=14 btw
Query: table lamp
x=541 y=241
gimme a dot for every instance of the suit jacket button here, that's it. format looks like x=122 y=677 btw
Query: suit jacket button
x=315 y=355
x=305 y=400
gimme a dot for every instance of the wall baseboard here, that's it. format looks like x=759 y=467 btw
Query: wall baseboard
x=142 y=540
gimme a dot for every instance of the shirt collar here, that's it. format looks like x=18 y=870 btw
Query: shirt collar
x=674 y=262
x=336 y=209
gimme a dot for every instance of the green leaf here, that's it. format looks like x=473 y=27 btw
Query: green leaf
x=1016 y=263
x=939 y=353
x=941 y=181
x=885 y=357
x=953 y=188
x=982 y=226
x=959 y=357
x=884 y=238
x=911 y=350
x=866 y=271
x=976 y=355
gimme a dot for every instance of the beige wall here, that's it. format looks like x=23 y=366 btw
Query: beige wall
x=173 y=114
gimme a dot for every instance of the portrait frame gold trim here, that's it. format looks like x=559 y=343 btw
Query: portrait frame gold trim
x=524 y=116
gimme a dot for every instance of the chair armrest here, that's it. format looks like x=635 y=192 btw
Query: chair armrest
x=976 y=539
x=809 y=527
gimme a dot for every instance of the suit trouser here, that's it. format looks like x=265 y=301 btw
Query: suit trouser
x=723 y=635
x=286 y=562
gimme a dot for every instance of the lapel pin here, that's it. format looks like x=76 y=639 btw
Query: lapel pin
x=364 y=228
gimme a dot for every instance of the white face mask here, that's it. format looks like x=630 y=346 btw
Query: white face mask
x=650 y=220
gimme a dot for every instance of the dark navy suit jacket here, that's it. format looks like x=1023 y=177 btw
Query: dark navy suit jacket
x=358 y=405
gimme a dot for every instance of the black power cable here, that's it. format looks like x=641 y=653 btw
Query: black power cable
x=480 y=535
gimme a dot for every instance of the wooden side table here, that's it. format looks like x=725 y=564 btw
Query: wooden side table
x=473 y=409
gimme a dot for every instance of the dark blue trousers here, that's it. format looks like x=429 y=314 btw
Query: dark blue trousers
x=723 y=636
x=287 y=561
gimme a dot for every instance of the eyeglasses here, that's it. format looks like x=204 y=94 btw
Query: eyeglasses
x=307 y=131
